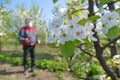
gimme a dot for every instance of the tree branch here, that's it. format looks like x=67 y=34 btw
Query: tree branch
x=114 y=40
x=80 y=47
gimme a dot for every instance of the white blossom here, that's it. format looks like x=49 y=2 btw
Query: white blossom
x=116 y=56
x=71 y=26
x=102 y=77
x=101 y=28
x=63 y=35
x=2 y=34
x=89 y=26
x=110 y=19
x=80 y=33
x=73 y=21
x=62 y=11
x=59 y=11
x=55 y=23
x=51 y=37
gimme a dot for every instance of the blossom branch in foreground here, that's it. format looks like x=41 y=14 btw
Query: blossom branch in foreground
x=80 y=47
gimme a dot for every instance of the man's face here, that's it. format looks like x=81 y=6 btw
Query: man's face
x=29 y=23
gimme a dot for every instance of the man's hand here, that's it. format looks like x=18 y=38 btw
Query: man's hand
x=38 y=41
x=27 y=40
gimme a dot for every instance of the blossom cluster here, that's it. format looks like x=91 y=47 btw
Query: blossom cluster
x=108 y=20
x=116 y=60
x=64 y=27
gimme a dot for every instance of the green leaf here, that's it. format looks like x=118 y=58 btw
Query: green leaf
x=82 y=1
x=102 y=2
x=77 y=14
x=77 y=42
x=82 y=22
x=95 y=17
x=118 y=10
x=54 y=1
x=67 y=49
x=113 y=32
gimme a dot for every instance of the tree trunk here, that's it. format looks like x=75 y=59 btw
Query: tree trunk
x=107 y=69
x=98 y=48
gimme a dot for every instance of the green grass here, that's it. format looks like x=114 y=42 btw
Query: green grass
x=43 y=61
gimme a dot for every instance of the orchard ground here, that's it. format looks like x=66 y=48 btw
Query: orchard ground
x=10 y=72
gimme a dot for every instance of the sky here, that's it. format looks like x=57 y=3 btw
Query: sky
x=45 y=5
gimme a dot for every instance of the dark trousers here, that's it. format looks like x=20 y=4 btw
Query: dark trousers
x=27 y=50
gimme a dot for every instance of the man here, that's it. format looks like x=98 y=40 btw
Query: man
x=28 y=37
